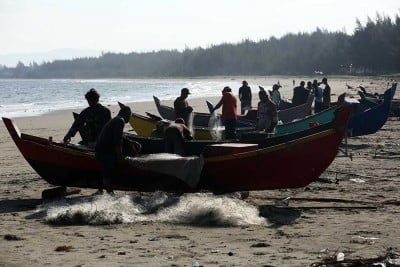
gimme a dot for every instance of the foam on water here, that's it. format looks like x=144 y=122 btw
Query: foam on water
x=194 y=209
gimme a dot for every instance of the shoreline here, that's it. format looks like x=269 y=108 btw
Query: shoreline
x=339 y=84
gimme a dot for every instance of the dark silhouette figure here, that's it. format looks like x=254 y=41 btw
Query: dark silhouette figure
x=300 y=94
x=90 y=121
x=175 y=136
x=245 y=97
x=109 y=147
x=181 y=106
x=326 y=97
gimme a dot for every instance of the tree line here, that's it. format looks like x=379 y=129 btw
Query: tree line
x=373 y=49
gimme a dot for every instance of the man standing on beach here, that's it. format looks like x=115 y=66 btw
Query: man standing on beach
x=109 y=147
x=229 y=112
x=181 y=106
x=245 y=97
x=326 y=95
x=90 y=121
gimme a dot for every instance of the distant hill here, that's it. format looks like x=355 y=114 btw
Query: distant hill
x=11 y=60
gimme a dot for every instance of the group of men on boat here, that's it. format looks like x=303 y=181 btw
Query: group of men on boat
x=105 y=134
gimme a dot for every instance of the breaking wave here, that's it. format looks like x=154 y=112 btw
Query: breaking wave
x=194 y=209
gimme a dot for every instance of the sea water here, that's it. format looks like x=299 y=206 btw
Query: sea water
x=32 y=97
x=194 y=209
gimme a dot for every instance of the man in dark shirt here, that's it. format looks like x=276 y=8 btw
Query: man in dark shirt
x=90 y=121
x=245 y=97
x=300 y=94
x=181 y=106
x=109 y=146
x=175 y=136
x=326 y=95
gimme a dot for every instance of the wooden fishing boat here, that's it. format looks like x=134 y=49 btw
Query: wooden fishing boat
x=202 y=119
x=199 y=119
x=262 y=139
x=365 y=121
x=289 y=114
x=368 y=100
x=226 y=168
x=143 y=125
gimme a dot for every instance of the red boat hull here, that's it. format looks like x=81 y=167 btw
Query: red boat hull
x=289 y=165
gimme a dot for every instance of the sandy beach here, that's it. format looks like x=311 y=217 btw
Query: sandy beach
x=353 y=208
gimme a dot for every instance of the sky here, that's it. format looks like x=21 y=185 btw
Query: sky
x=50 y=29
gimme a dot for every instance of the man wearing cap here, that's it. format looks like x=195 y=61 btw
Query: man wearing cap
x=90 y=121
x=245 y=97
x=181 y=106
x=229 y=112
x=108 y=150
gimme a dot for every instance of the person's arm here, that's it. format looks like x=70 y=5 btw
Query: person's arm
x=189 y=109
x=108 y=115
x=217 y=106
x=117 y=136
x=186 y=133
x=76 y=125
x=258 y=116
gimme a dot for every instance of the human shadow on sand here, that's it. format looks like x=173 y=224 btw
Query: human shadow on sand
x=279 y=216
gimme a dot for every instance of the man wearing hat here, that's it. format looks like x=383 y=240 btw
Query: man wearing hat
x=181 y=106
x=229 y=112
x=245 y=97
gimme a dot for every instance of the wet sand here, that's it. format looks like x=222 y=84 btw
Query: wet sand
x=353 y=208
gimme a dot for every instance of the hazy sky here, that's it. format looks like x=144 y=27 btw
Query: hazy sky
x=28 y=26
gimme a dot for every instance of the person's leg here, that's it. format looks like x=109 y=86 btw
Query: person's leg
x=179 y=147
x=230 y=129
x=242 y=106
x=108 y=169
x=271 y=128
x=245 y=105
x=169 y=143
x=261 y=126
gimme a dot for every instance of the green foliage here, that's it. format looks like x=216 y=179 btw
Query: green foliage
x=374 y=48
